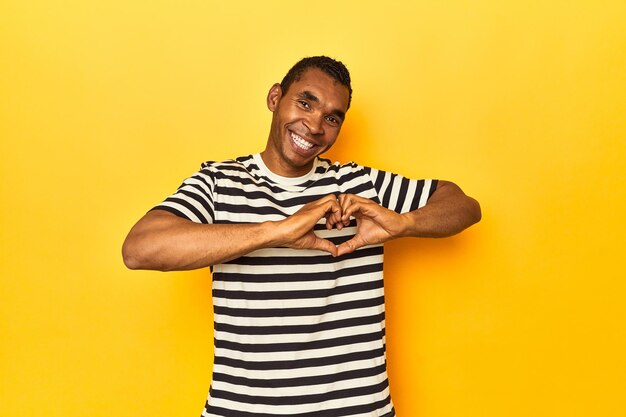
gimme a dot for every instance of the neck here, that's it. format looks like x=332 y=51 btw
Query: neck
x=280 y=167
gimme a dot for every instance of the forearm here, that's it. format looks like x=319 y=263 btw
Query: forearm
x=162 y=241
x=448 y=212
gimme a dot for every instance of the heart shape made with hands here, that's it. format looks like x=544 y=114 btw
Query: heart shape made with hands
x=374 y=223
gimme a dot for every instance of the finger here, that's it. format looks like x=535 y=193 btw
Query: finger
x=341 y=198
x=296 y=226
x=350 y=211
x=367 y=208
x=334 y=220
x=333 y=215
x=321 y=208
x=353 y=204
x=345 y=221
x=329 y=223
x=346 y=201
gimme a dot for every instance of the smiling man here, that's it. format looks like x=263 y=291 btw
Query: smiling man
x=296 y=247
x=307 y=119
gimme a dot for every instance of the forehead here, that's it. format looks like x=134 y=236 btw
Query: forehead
x=323 y=86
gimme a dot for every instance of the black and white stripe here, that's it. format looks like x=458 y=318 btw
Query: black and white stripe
x=297 y=332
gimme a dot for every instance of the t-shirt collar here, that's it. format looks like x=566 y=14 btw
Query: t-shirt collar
x=279 y=179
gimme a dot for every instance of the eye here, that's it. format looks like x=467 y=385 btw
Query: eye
x=332 y=120
x=304 y=104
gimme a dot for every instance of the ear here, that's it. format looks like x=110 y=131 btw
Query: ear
x=274 y=96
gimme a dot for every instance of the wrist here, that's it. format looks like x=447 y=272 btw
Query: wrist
x=407 y=225
x=269 y=234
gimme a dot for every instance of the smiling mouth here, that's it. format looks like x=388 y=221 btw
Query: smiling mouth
x=300 y=142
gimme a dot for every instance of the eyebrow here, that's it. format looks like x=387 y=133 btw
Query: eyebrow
x=312 y=97
x=309 y=96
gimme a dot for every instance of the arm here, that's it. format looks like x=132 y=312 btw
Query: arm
x=448 y=212
x=163 y=241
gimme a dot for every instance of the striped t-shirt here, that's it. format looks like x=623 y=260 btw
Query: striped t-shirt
x=298 y=333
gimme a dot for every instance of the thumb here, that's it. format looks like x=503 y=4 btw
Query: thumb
x=349 y=246
x=324 y=245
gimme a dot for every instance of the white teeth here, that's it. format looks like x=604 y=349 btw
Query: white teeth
x=301 y=143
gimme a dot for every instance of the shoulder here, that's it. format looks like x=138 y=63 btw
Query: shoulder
x=350 y=177
x=227 y=167
x=342 y=169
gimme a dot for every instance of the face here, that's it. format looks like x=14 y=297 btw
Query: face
x=305 y=123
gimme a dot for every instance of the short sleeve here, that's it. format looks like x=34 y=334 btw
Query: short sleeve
x=193 y=200
x=398 y=193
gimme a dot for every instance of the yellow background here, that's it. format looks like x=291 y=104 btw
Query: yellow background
x=105 y=106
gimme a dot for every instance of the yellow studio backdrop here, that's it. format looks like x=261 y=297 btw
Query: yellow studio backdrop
x=105 y=106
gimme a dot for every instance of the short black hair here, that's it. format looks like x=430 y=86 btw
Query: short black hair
x=336 y=69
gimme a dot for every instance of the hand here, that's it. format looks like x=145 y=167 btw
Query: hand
x=296 y=231
x=374 y=223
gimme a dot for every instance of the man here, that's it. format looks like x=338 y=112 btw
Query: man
x=295 y=244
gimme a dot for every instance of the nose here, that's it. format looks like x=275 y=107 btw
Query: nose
x=315 y=124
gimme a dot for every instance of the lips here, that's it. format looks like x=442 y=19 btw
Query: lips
x=300 y=142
